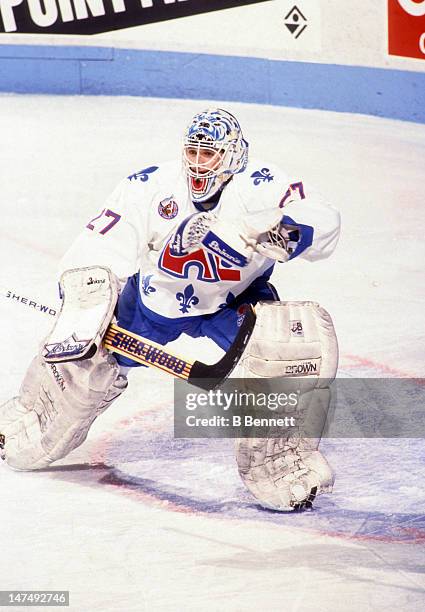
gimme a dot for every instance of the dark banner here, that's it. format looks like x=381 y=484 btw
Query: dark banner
x=96 y=16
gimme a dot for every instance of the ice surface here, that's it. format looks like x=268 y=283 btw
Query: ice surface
x=137 y=520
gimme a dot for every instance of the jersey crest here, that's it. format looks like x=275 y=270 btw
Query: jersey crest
x=168 y=208
x=210 y=268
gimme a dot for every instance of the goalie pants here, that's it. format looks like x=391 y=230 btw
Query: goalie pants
x=221 y=327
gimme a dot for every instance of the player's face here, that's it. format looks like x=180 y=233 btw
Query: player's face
x=202 y=160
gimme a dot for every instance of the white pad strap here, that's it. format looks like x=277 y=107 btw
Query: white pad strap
x=89 y=298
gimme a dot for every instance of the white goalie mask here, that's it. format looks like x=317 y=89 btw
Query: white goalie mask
x=213 y=150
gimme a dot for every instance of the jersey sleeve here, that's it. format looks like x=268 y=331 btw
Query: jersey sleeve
x=313 y=226
x=113 y=238
x=270 y=195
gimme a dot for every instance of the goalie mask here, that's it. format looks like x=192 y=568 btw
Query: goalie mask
x=214 y=150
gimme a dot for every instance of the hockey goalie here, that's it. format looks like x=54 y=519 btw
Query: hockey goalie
x=181 y=248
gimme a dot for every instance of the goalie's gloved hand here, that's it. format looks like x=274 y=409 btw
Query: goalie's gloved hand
x=190 y=232
x=276 y=243
x=265 y=234
x=236 y=243
x=205 y=230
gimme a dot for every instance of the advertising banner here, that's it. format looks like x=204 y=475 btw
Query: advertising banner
x=406 y=28
x=96 y=16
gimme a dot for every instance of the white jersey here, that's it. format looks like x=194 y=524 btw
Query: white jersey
x=132 y=234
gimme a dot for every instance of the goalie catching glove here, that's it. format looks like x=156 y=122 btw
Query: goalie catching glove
x=262 y=233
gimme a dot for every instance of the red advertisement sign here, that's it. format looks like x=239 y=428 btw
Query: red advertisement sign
x=406 y=28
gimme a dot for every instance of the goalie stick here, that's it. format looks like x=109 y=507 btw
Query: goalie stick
x=202 y=375
x=150 y=353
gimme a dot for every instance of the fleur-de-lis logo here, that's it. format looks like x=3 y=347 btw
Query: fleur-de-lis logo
x=142 y=175
x=229 y=299
x=187 y=299
x=146 y=286
x=262 y=175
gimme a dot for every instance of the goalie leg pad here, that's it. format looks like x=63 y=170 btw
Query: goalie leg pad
x=290 y=339
x=56 y=406
x=282 y=474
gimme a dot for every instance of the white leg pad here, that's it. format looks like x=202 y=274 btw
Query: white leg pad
x=56 y=406
x=280 y=474
x=290 y=339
